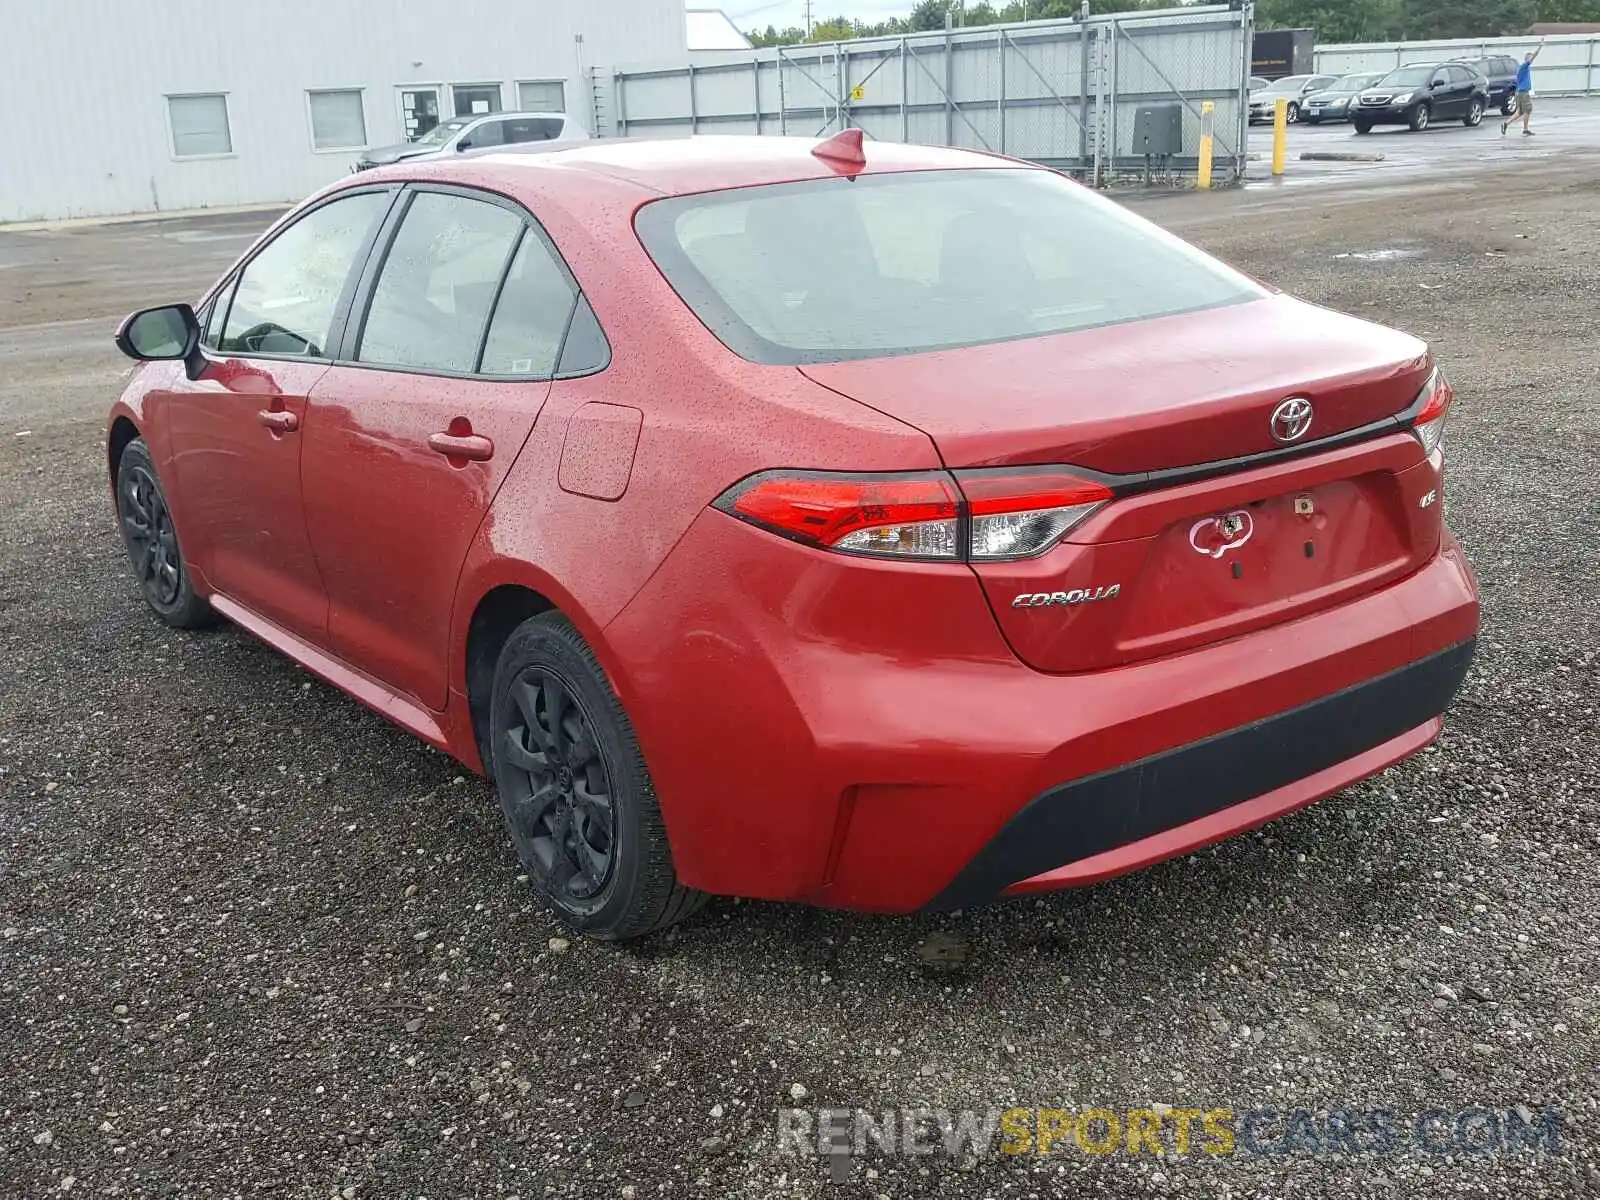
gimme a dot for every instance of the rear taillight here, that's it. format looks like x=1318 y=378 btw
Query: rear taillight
x=1024 y=513
x=896 y=516
x=1433 y=406
x=980 y=516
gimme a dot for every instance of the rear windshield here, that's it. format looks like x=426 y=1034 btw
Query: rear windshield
x=835 y=269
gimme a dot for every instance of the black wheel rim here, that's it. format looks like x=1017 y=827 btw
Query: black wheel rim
x=152 y=542
x=556 y=788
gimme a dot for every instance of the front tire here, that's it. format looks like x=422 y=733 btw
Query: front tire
x=1474 y=116
x=574 y=789
x=1292 y=113
x=1363 y=127
x=151 y=540
x=1420 y=116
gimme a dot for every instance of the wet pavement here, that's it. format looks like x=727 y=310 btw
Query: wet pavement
x=1563 y=129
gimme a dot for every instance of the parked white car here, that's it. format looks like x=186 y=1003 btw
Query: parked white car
x=480 y=132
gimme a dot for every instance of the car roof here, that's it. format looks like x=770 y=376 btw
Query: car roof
x=684 y=165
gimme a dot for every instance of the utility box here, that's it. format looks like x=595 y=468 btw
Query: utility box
x=1158 y=130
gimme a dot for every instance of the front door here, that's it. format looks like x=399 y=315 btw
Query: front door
x=411 y=437
x=235 y=433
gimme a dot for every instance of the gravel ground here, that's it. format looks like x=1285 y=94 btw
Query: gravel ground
x=253 y=941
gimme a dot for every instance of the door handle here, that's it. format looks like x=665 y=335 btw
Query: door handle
x=278 y=420
x=472 y=446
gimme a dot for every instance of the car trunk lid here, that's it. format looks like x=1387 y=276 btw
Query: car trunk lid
x=1214 y=531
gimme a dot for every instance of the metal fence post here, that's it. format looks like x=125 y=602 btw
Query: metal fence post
x=841 y=83
x=619 y=86
x=694 y=110
x=1083 y=85
x=949 y=84
x=905 y=93
x=755 y=68
x=1000 y=103
x=1109 y=123
x=783 y=98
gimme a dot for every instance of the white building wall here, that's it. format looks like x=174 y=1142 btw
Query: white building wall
x=85 y=83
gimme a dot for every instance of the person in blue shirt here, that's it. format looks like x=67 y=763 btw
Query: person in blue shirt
x=1524 y=95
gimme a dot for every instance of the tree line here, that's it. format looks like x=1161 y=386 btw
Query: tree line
x=1334 y=20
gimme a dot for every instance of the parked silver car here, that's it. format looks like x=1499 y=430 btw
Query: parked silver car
x=1334 y=102
x=1295 y=88
x=479 y=132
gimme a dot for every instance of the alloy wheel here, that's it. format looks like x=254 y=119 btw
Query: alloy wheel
x=557 y=788
x=152 y=542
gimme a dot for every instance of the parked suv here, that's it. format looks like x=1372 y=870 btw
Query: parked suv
x=1420 y=94
x=478 y=133
x=1501 y=72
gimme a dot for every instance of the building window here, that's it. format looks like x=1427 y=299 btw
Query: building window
x=337 y=120
x=199 y=125
x=542 y=96
x=475 y=99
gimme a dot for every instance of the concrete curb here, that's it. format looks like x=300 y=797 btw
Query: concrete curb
x=1338 y=156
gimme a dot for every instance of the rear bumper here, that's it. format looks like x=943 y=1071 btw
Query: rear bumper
x=1197 y=794
x=795 y=758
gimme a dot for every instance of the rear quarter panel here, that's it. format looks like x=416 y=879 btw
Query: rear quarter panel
x=708 y=419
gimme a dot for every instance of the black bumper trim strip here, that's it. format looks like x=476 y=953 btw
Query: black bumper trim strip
x=1085 y=817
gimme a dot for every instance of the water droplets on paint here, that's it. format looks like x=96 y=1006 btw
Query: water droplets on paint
x=1387 y=255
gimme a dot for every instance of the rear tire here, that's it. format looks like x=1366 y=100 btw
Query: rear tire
x=1474 y=116
x=1508 y=105
x=1292 y=114
x=1420 y=116
x=1363 y=127
x=574 y=789
x=151 y=540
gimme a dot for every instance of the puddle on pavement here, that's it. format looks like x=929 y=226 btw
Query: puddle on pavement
x=1387 y=255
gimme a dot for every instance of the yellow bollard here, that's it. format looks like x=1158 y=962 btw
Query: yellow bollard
x=1203 y=178
x=1280 y=134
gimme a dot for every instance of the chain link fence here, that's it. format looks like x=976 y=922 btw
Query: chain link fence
x=1103 y=98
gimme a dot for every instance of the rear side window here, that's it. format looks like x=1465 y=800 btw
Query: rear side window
x=532 y=316
x=533 y=129
x=289 y=292
x=901 y=263
x=431 y=302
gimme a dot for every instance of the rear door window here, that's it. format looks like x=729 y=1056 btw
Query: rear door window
x=532 y=315
x=430 y=305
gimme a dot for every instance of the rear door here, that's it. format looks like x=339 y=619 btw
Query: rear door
x=447 y=361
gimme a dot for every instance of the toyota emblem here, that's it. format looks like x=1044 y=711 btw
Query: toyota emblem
x=1291 y=419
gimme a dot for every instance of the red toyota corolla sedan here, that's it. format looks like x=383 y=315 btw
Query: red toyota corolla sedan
x=889 y=529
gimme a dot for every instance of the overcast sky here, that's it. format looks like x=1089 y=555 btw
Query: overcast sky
x=758 y=14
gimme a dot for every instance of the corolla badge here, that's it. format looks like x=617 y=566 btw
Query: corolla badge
x=1075 y=596
x=1291 y=420
x=1215 y=536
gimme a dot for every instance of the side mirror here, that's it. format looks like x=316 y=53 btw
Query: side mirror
x=165 y=334
x=463 y=144
x=1437 y=83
